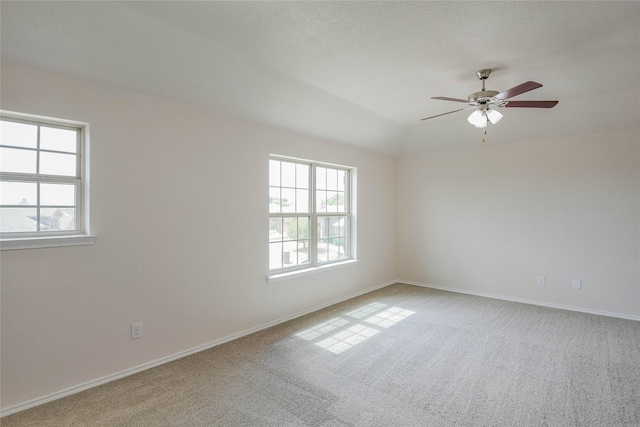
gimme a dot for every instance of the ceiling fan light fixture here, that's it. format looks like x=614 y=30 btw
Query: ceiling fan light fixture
x=478 y=118
x=494 y=116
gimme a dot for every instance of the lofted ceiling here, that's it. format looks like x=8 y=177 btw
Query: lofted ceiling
x=360 y=73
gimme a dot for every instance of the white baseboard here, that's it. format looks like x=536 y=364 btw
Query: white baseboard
x=94 y=383
x=522 y=300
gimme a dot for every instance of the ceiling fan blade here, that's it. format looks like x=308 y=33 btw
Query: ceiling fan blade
x=524 y=87
x=444 y=114
x=444 y=98
x=532 y=104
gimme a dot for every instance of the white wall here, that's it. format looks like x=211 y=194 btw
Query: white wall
x=492 y=219
x=179 y=200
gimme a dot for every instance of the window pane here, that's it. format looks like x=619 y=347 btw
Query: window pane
x=274 y=173
x=321 y=201
x=303 y=228
x=16 y=160
x=19 y=193
x=337 y=226
x=289 y=253
x=58 y=194
x=340 y=202
x=342 y=180
x=323 y=227
x=290 y=229
x=58 y=164
x=322 y=250
x=302 y=176
x=333 y=226
x=274 y=200
x=288 y=174
x=345 y=248
x=302 y=201
x=18 y=134
x=345 y=230
x=340 y=226
x=303 y=251
x=58 y=139
x=333 y=232
x=299 y=254
x=275 y=255
x=15 y=220
x=57 y=219
x=332 y=201
x=332 y=179
x=337 y=249
x=321 y=178
x=275 y=225
x=288 y=200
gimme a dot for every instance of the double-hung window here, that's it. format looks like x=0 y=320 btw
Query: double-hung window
x=42 y=182
x=310 y=214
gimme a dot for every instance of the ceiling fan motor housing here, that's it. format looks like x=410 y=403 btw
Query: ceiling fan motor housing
x=482 y=97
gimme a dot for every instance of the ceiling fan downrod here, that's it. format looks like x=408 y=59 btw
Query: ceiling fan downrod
x=483 y=75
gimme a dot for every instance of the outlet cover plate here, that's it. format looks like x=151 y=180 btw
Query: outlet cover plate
x=136 y=330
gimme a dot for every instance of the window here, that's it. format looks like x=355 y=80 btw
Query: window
x=42 y=181
x=310 y=214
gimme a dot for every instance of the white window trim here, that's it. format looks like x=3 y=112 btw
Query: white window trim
x=47 y=242
x=279 y=277
x=297 y=271
x=82 y=236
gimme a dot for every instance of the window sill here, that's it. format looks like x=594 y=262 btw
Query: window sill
x=46 y=242
x=308 y=271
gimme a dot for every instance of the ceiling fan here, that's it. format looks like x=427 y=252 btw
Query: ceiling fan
x=486 y=102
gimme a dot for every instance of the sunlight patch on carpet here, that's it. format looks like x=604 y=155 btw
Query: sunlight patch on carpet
x=345 y=334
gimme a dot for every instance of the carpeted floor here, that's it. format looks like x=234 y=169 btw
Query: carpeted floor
x=400 y=356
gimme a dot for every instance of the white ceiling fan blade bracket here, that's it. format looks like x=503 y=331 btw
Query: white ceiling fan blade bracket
x=496 y=102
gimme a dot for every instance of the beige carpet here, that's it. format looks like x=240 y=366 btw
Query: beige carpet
x=399 y=356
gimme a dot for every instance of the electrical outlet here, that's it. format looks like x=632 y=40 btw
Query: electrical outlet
x=136 y=330
x=542 y=281
x=577 y=284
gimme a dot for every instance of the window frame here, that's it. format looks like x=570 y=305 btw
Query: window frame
x=52 y=238
x=313 y=214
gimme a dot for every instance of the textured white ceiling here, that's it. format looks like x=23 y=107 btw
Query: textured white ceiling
x=355 y=72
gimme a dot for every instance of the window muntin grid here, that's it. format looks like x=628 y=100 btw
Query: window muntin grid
x=310 y=214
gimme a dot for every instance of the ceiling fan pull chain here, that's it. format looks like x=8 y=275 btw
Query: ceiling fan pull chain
x=485 y=132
